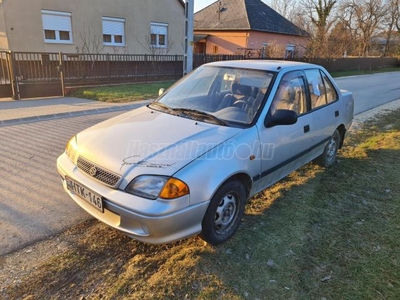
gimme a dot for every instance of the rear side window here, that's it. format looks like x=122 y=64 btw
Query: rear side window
x=321 y=89
x=331 y=94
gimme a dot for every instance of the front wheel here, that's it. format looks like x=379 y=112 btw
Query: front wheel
x=328 y=157
x=224 y=213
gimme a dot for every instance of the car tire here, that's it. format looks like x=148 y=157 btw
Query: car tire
x=328 y=157
x=224 y=213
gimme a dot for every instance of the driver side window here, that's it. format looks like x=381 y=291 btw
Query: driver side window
x=290 y=95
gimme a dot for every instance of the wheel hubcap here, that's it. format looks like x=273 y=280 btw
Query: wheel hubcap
x=225 y=213
x=331 y=149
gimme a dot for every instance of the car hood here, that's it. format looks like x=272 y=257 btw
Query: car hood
x=144 y=141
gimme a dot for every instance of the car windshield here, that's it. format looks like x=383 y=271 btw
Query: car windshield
x=220 y=95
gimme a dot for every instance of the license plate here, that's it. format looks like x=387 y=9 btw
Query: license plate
x=86 y=194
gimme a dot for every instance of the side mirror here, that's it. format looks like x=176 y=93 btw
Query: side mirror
x=161 y=91
x=281 y=117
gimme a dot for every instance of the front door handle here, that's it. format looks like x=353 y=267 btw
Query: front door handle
x=306 y=128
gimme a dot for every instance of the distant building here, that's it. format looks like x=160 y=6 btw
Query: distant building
x=246 y=27
x=380 y=47
x=104 y=26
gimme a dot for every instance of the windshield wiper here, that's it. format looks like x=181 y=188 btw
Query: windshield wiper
x=162 y=106
x=199 y=113
x=188 y=112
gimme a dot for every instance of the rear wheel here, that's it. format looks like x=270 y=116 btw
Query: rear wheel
x=328 y=157
x=224 y=213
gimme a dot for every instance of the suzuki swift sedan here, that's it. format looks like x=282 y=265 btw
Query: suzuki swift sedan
x=186 y=163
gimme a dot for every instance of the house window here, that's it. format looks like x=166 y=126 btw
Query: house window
x=289 y=53
x=159 y=35
x=113 y=31
x=215 y=49
x=57 y=27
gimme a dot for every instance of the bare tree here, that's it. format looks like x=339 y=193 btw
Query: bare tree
x=147 y=43
x=89 y=42
x=363 y=18
x=287 y=9
x=291 y=10
x=90 y=46
x=389 y=22
x=120 y=50
x=157 y=53
x=274 y=50
x=398 y=16
x=320 y=13
x=340 y=40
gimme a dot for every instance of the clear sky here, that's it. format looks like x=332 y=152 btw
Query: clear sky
x=200 y=4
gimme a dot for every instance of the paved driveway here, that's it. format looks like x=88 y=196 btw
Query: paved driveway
x=33 y=204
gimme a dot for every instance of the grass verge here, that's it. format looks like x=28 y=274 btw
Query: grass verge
x=122 y=93
x=318 y=234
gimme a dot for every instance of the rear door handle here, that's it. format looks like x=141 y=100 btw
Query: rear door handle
x=306 y=128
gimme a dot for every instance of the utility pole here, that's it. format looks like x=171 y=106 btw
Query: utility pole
x=188 y=43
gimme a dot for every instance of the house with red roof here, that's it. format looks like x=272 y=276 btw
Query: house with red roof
x=247 y=27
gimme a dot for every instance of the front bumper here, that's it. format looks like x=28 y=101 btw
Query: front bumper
x=150 y=221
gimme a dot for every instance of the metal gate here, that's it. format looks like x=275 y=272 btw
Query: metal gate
x=30 y=75
x=37 y=74
x=5 y=75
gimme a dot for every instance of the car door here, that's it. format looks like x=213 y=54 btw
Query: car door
x=325 y=107
x=285 y=147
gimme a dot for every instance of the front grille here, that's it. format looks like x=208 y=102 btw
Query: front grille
x=97 y=172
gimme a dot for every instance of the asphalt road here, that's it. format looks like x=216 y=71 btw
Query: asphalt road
x=33 y=204
x=372 y=90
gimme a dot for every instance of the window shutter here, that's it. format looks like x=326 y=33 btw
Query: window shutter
x=159 y=28
x=56 y=22
x=113 y=26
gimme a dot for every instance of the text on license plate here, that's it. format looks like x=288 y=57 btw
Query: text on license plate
x=83 y=192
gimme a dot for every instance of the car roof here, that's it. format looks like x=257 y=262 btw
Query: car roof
x=266 y=65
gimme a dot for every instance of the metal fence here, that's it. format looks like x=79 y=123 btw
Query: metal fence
x=331 y=64
x=81 y=69
x=95 y=68
x=200 y=59
x=32 y=74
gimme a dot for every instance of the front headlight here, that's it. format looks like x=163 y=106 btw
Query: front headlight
x=153 y=187
x=72 y=149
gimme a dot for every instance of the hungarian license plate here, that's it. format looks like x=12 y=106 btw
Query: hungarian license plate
x=86 y=194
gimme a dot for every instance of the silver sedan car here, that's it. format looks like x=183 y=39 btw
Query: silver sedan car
x=186 y=163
